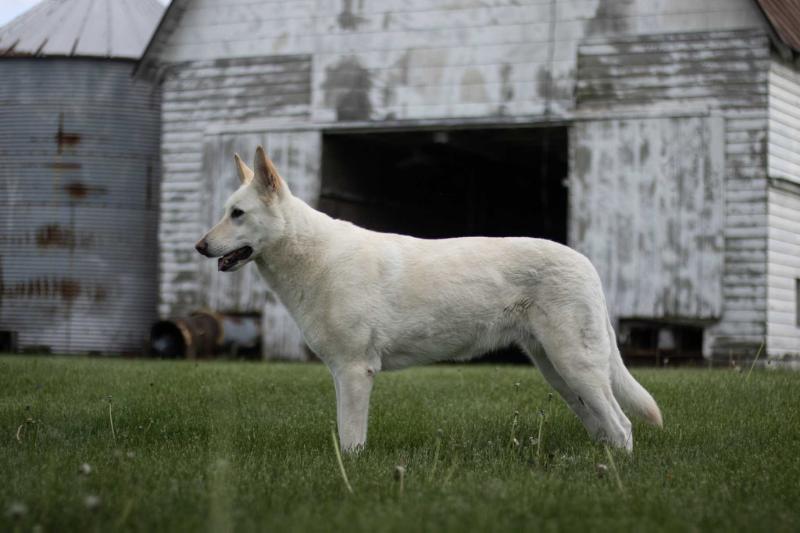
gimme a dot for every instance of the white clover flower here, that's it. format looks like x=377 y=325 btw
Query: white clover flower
x=92 y=502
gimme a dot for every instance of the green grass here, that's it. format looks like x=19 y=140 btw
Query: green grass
x=247 y=446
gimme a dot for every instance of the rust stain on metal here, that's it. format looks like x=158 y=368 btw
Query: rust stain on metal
x=79 y=190
x=63 y=138
x=54 y=236
x=100 y=294
x=66 y=289
x=69 y=289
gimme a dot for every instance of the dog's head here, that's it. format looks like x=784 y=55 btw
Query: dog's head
x=253 y=217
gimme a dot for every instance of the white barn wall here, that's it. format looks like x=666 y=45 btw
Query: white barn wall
x=722 y=73
x=435 y=58
x=647 y=202
x=783 y=142
x=783 y=250
x=200 y=95
x=376 y=63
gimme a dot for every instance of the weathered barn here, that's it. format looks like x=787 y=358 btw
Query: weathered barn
x=79 y=170
x=661 y=139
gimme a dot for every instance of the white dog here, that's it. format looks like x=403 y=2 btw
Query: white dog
x=368 y=301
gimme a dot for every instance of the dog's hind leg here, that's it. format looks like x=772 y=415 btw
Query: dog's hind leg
x=536 y=353
x=353 y=388
x=582 y=363
x=592 y=384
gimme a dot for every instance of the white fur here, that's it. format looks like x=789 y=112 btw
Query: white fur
x=368 y=301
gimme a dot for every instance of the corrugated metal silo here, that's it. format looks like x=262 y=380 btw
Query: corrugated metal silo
x=79 y=177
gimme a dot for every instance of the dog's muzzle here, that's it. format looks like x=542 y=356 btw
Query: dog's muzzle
x=232 y=259
x=227 y=261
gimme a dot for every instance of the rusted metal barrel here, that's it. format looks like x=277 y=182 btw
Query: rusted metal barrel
x=205 y=334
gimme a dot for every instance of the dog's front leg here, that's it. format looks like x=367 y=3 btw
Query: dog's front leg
x=353 y=387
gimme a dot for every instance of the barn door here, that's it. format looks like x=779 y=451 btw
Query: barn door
x=646 y=206
x=297 y=156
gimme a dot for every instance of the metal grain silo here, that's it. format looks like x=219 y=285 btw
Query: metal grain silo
x=79 y=177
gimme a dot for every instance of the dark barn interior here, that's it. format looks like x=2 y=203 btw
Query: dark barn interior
x=659 y=342
x=450 y=183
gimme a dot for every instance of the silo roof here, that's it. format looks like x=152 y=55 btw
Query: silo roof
x=82 y=28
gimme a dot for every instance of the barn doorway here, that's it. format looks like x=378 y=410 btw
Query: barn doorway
x=450 y=183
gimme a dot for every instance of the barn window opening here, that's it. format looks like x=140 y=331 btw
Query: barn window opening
x=450 y=183
x=653 y=342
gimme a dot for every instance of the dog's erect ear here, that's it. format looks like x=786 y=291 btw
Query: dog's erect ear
x=266 y=175
x=244 y=172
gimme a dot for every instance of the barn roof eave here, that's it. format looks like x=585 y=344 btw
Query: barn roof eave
x=147 y=66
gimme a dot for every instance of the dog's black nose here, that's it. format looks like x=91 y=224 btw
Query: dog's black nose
x=202 y=247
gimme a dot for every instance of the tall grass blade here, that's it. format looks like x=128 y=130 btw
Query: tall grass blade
x=754 y=361
x=539 y=438
x=111 y=419
x=339 y=460
x=614 y=469
x=435 y=455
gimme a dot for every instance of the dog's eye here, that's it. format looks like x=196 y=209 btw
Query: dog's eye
x=236 y=213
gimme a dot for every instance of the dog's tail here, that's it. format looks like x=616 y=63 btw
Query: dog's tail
x=629 y=393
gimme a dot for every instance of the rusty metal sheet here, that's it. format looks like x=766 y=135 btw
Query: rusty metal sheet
x=79 y=187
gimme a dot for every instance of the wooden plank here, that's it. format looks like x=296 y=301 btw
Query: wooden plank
x=646 y=195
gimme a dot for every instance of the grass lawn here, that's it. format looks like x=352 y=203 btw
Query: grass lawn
x=247 y=446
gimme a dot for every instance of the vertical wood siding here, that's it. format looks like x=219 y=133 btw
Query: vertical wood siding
x=197 y=95
x=722 y=71
x=783 y=256
x=647 y=205
x=296 y=155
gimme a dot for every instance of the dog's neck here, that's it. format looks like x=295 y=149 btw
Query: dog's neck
x=291 y=265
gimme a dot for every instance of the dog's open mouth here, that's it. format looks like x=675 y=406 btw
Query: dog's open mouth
x=232 y=259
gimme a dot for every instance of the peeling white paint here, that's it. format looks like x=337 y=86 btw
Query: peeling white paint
x=427 y=62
